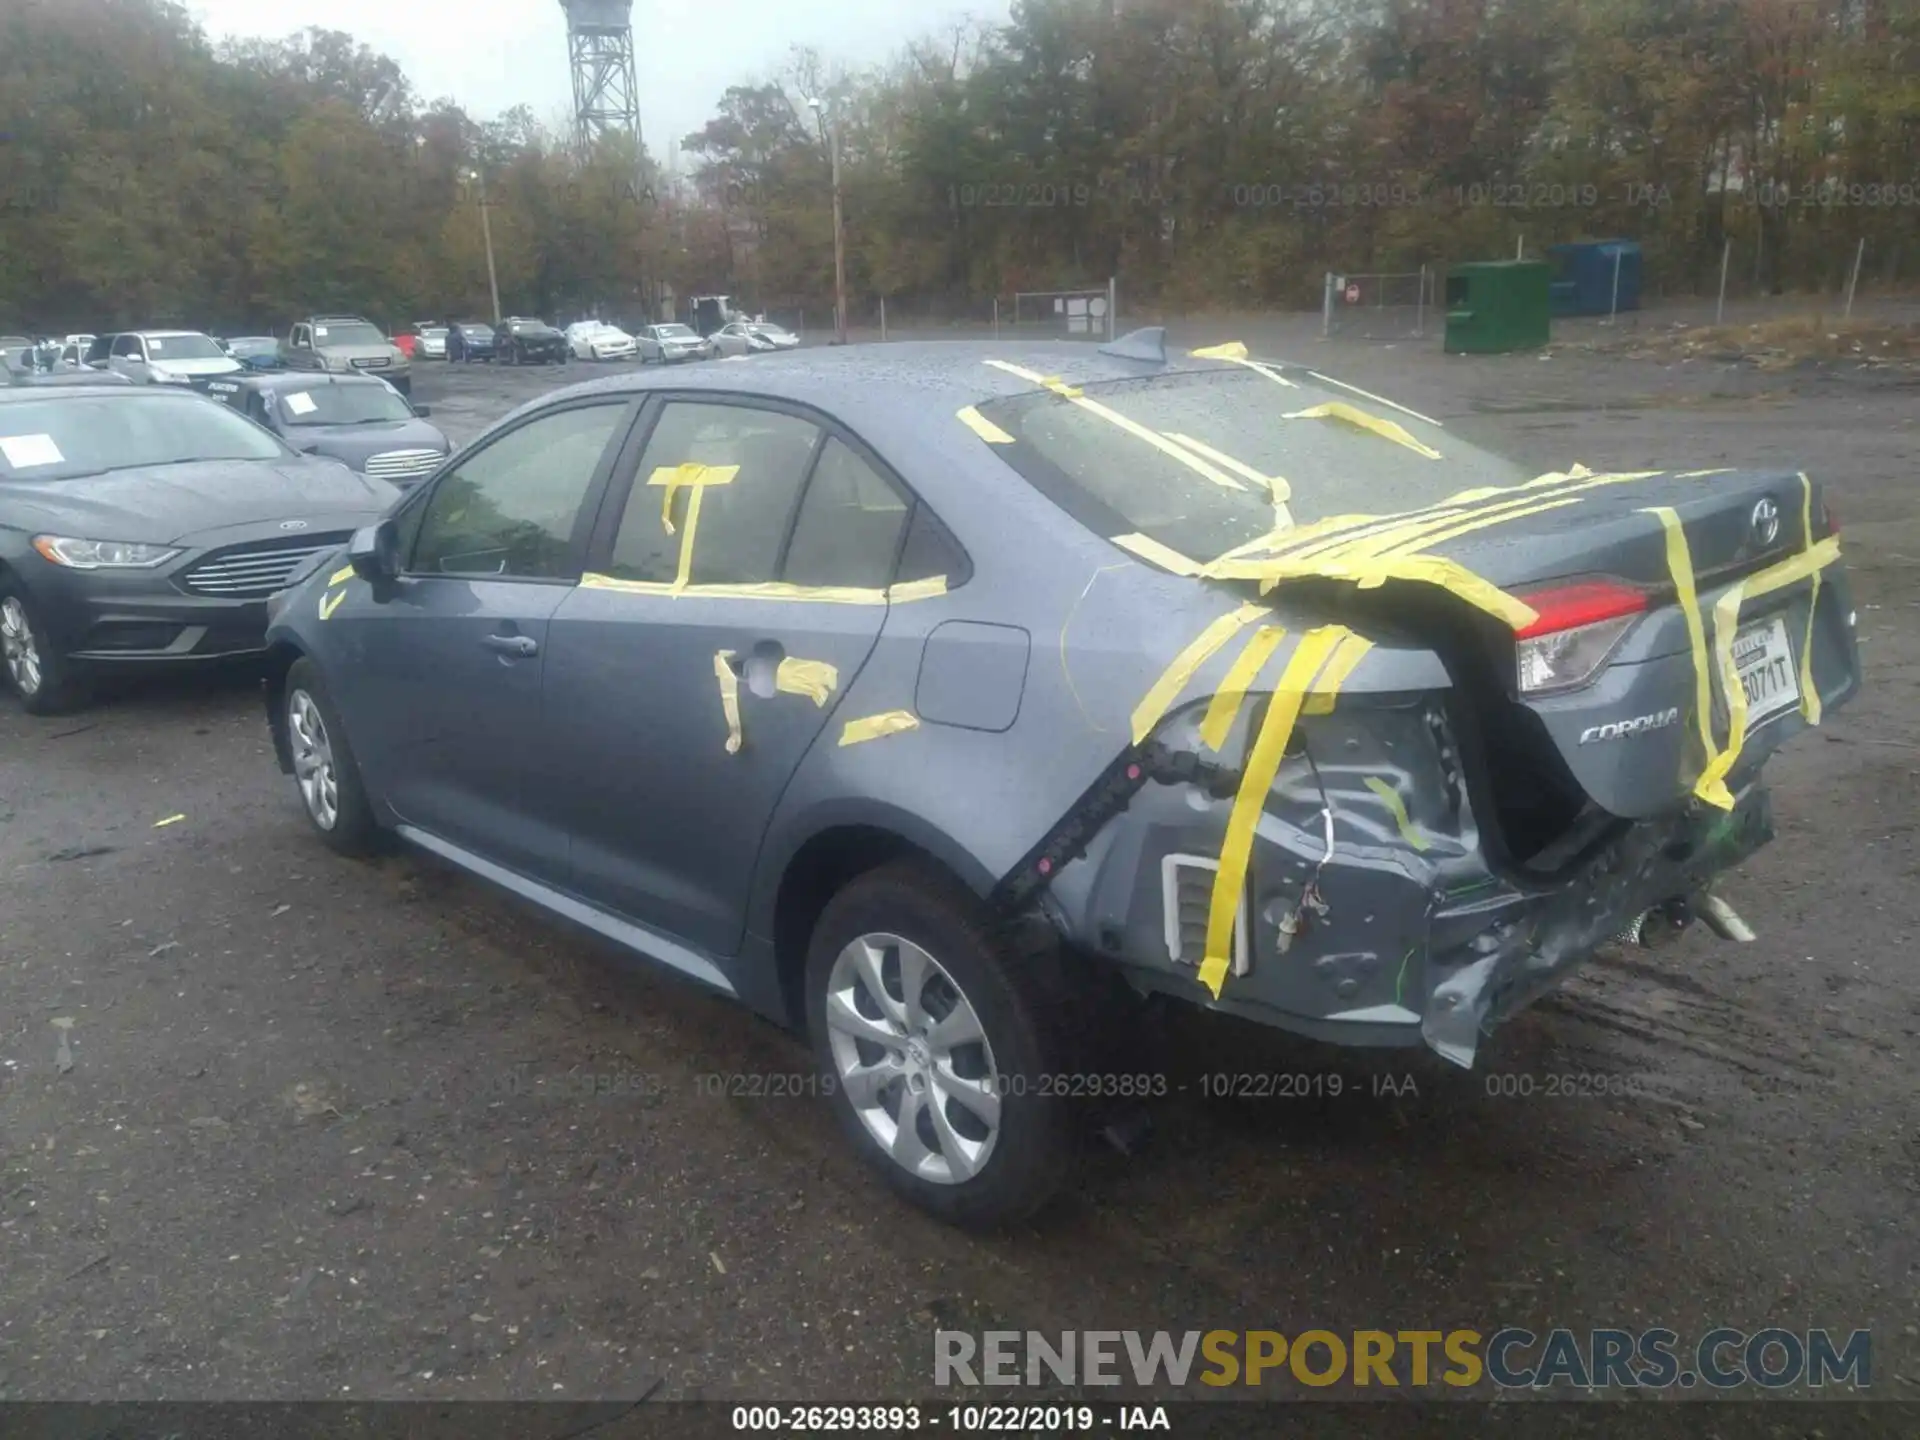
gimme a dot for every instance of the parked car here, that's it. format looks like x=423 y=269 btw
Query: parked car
x=143 y=526
x=530 y=342
x=63 y=373
x=13 y=348
x=344 y=344
x=358 y=419
x=957 y=705
x=469 y=341
x=754 y=337
x=162 y=357
x=431 y=341
x=597 y=340
x=669 y=344
x=255 y=352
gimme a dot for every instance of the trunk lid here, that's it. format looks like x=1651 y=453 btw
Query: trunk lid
x=1730 y=597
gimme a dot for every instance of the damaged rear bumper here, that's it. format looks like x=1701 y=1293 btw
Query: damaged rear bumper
x=1371 y=914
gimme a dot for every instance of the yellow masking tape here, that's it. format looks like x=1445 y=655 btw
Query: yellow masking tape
x=1712 y=784
x=773 y=590
x=1680 y=565
x=814 y=679
x=983 y=427
x=1353 y=415
x=685 y=572
x=917 y=589
x=1154 y=553
x=1262 y=768
x=729 y=696
x=872 y=727
x=690 y=475
x=1275 y=485
x=1326 y=689
x=1390 y=797
x=1380 y=399
x=1799 y=567
x=1809 y=697
x=345 y=572
x=1138 y=431
x=1173 y=680
x=1232 y=350
x=1369 y=574
x=1246 y=668
x=330 y=603
x=1454 y=529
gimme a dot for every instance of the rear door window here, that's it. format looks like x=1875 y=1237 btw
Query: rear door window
x=736 y=530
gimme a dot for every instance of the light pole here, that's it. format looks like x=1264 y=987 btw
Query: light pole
x=839 y=241
x=486 y=233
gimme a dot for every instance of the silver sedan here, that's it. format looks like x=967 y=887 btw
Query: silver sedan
x=754 y=337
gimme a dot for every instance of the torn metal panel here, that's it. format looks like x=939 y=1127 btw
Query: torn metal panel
x=1400 y=932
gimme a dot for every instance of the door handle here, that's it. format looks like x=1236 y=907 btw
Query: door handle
x=524 y=645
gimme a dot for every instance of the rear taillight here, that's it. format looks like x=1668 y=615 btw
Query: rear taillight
x=1575 y=629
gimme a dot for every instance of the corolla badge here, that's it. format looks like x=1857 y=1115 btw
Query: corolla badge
x=1766 y=522
x=1639 y=725
x=293 y=524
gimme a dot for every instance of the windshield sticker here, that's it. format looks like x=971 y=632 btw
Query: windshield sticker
x=156 y=346
x=320 y=332
x=301 y=403
x=23 y=451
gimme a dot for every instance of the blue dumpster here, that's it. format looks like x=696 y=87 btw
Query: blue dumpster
x=1584 y=277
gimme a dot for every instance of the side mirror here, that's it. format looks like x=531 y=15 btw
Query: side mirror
x=423 y=411
x=134 y=359
x=374 y=552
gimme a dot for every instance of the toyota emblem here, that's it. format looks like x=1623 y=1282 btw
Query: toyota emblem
x=301 y=524
x=1766 y=522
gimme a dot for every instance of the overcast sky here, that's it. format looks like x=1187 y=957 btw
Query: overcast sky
x=490 y=55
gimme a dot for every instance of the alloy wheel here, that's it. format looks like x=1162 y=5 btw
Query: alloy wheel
x=913 y=1058
x=313 y=765
x=17 y=644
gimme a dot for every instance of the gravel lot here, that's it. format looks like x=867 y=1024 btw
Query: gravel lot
x=370 y=1131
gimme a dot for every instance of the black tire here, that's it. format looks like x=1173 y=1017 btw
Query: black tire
x=57 y=688
x=1020 y=1015
x=354 y=831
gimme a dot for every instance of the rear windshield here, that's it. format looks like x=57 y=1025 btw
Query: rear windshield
x=59 y=439
x=674 y=332
x=342 y=405
x=253 y=345
x=1355 y=455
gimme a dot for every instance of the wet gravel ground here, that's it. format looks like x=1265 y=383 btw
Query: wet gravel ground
x=276 y=1125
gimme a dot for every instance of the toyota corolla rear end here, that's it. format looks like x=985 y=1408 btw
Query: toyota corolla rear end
x=1455 y=726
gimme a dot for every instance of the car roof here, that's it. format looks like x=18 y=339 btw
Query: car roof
x=32 y=391
x=302 y=380
x=878 y=379
x=166 y=334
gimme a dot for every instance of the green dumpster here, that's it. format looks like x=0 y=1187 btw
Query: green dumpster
x=1495 y=306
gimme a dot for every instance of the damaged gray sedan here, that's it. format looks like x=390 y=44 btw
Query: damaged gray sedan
x=919 y=696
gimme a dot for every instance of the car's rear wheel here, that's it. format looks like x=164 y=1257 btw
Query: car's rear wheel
x=324 y=769
x=940 y=1047
x=35 y=670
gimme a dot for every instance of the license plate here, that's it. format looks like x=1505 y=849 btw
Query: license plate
x=1763 y=659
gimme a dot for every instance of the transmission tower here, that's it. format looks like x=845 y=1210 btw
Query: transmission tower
x=606 y=88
